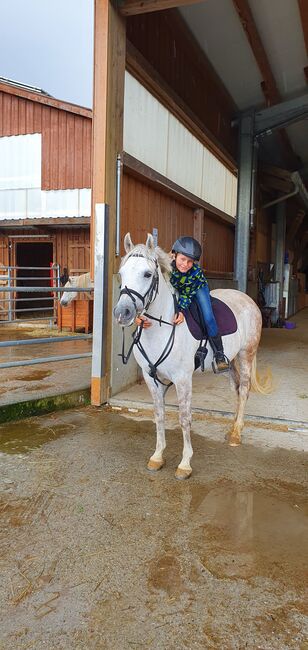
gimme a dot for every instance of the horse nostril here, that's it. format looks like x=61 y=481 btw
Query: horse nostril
x=127 y=312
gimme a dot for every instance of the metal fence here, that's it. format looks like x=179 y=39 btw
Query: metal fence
x=15 y=281
x=15 y=292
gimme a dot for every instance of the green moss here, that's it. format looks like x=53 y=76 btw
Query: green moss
x=11 y=412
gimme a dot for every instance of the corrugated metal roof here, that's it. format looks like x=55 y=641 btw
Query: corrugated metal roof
x=18 y=84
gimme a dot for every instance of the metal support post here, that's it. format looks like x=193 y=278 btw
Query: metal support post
x=100 y=294
x=280 y=246
x=118 y=205
x=242 y=224
x=10 y=294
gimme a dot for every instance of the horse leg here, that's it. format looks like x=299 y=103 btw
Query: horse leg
x=184 y=391
x=156 y=461
x=242 y=380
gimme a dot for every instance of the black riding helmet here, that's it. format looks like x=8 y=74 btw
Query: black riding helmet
x=188 y=246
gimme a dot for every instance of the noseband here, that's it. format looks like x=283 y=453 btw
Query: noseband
x=151 y=293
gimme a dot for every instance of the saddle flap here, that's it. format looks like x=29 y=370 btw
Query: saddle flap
x=224 y=316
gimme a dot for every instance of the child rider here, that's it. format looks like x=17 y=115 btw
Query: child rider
x=189 y=280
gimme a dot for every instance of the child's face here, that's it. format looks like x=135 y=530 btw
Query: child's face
x=183 y=263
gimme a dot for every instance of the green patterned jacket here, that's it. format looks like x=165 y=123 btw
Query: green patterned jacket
x=187 y=284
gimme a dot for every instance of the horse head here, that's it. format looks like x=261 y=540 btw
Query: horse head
x=68 y=296
x=139 y=273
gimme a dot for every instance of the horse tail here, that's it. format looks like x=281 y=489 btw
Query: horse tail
x=264 y=384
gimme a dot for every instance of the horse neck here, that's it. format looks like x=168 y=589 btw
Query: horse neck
x=163 y=304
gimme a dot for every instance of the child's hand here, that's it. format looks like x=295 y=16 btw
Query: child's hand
x=179 y=318
x=144 y=320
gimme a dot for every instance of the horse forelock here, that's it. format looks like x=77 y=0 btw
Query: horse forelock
x=161 y=257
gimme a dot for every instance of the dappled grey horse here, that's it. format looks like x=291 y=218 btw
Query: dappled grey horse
x=166 y=352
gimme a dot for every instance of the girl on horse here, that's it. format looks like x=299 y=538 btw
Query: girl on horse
x=189 y=280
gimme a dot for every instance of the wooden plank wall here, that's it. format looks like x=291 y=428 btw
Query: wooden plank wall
x=218 y=245
x=165 y=41
x=144 y=208
x=263 y=237
x=71 y=247
x=66 y=139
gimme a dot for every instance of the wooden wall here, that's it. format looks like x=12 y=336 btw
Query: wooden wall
x=66 y=137
x=218 y=245
x=166 y=43
x=71 y=247
x=263 y=237
x=144 y=208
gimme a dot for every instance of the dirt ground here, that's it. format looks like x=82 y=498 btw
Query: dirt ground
x=97 y=553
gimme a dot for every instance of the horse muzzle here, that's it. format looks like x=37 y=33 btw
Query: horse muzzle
x=125 y=311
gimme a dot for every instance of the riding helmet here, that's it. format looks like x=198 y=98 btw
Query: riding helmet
x=188 y=246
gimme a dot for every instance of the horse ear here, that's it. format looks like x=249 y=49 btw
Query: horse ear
x=150 y=242
x=128 y=244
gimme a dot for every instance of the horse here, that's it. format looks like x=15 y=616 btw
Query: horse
x=80 y=281
x=166 y=352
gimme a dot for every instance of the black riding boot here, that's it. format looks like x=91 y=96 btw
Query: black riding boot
x=220 y=363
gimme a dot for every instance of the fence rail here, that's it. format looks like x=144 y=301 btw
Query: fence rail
x=12 y=309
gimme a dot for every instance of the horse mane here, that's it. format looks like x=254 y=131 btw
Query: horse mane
x=158 y=254
x=80 y=281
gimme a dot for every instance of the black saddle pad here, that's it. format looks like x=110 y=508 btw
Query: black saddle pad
x=225 y=319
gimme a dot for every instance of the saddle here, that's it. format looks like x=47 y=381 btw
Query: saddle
x=226 y=323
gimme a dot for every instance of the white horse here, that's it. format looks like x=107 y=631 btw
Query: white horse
x=80 y=281
x=166 y=352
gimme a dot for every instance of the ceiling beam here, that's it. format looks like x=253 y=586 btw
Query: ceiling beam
x=134 y=7
x=268 y=85
x=255 y=42
x=281 y=115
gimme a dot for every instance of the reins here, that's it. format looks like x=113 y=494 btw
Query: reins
x=151 y=293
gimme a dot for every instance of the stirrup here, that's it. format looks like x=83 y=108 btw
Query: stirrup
x=224 y=360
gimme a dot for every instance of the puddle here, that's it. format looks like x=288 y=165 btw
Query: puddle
x=165 y=574
x=241 y=533
x=22 y=437
x=35 y=376
x=11 y=334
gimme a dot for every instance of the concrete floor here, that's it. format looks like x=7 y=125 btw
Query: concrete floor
x=284 y=351
x=96 y=553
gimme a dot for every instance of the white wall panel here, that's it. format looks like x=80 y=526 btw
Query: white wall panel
x=20 y=161
x=145 y=126
x=185 y=154
x=155 y=137
x=213 y=181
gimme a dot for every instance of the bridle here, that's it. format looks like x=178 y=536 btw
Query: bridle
x=152 y=291
x=150 y=294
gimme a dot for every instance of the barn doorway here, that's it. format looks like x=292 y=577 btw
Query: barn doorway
x=33 y=260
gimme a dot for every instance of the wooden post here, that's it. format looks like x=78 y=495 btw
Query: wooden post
x=199 y=229
x=107 y=142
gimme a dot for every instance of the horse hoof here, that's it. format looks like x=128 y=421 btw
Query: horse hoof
x=155 y=465
x=182 y=474
x=234 y=442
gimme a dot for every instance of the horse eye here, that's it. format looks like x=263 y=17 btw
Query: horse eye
x=147 y=274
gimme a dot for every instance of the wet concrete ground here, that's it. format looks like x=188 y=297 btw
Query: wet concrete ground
x=284 y=351
x=97 y=553
x=46 y=379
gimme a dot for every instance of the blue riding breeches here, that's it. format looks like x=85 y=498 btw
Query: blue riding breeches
x=204 y=301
